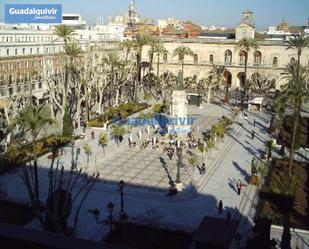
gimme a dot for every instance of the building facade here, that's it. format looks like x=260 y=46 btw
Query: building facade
x=269 y=59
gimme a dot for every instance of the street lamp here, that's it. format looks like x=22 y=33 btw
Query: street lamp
x=179 y=164
x=110 y=209
x=123 y=214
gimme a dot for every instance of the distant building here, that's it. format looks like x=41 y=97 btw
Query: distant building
x=185 y=29
x=74 y=20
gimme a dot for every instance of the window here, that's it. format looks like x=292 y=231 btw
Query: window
x=38 y=50
x=8 y=52
x=24 y=50
x=211 y=59
x=195 y=57
x=275 y=62
x=228 y=57
x=257 y=58
x=242 y=57
x=16 y=51
x=292 y=61
x=30 y=50
x=165 y=57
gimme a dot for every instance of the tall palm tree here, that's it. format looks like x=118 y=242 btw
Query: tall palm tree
x=182 y=52
x=33 y=119
x=293 y=94
x=65 y=33
x=246 y=45
x=298 y=42
x=139 y=42
x=158 y=49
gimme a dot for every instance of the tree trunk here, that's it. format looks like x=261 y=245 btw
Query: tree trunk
x=294 y=134
x=158 y=69
x=286 y=236
x=208 y=95
x=245 y=81
x=35 y=169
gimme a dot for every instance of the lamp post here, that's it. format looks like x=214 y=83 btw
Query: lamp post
x=123 y=214
x=110 y=209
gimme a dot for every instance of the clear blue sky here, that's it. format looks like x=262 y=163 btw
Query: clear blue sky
x=203 y=12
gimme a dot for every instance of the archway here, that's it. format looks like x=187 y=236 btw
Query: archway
x=242 y=78
x=228 y=78
x=228 y=81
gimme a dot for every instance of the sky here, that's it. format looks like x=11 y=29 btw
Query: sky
x=202 y=12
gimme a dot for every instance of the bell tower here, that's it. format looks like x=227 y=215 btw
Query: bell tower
x=132 y=14
x=246 y=27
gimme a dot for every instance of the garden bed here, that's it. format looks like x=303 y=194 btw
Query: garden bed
x=17 y=153
x=124 y=110
x=141 y=236
x=271 y=203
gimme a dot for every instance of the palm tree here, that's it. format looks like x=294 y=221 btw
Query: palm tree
x=158 y=48
x=64 y=32
x=33 y=119
x=293 y=94
x=182 y=52
x=298 y=42
x=139 y=43
x=246 y=44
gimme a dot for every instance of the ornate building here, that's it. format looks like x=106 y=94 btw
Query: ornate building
x=220 y=49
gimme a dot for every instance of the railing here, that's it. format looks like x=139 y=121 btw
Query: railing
x=220 y=63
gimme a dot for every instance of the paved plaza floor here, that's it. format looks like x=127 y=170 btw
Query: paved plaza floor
x=148 y=174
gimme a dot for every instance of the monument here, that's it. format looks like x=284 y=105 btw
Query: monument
x=179 y=110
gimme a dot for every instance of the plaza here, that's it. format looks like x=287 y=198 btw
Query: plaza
x=148 y=174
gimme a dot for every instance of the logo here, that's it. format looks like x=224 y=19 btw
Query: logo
x=33 y=13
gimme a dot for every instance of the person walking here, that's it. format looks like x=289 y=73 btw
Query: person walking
x=92 y=134
x=203 y=169
x=239 y=186
x=253 y=122
x=252 y=135
x=220 y=207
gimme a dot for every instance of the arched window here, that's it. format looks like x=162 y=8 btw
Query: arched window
x=228 y=57
x=292 y=61
x=195 y=59
x=257 y=58
x=165 y=57
x=211 y=59
x=275 y=62
x=242 y=56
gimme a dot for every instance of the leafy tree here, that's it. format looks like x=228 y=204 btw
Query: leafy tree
x=246 y=44
x=118 y=131
x=64 y=32
x=192 y=161
x=103 y=140
x=34 y=119
x=88 y=151
x=67 y=129
x=182 y=52
x=293 y=94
